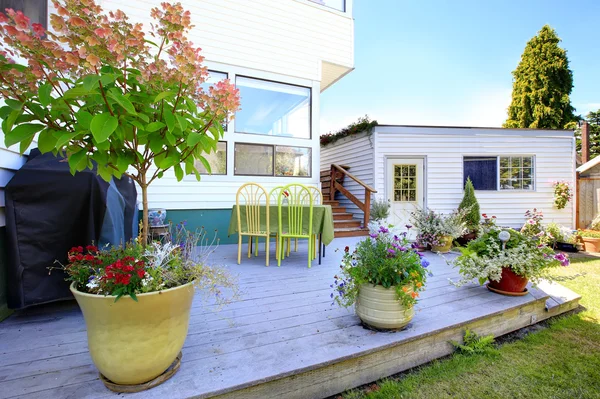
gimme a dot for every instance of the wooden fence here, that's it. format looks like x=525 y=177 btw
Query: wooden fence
x=588 y=200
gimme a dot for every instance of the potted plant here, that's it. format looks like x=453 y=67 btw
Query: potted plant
x=472 y=218
x=561 y=237
x=382 y=277
x=109 y=96
x=438 y=230
x=562 y=194
x=136 y=302
x=380 y=210
x=591 y=240
x=508 y=260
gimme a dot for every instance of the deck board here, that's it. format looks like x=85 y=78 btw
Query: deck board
x=282 y=326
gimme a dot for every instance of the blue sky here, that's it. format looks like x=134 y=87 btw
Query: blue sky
x=435 y=62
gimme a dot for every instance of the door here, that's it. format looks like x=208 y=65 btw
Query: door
x=405 y=189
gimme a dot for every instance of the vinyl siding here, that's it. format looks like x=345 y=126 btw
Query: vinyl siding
x=288 y=37
x=444 y=149
x=357 y=153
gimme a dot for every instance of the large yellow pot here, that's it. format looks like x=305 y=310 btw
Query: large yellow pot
x=134 y=342
x=379 y=307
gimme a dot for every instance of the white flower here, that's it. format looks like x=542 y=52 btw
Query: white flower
x=93 y=282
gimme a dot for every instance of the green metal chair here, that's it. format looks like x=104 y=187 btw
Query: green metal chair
x=300 y=202
x=249 y=200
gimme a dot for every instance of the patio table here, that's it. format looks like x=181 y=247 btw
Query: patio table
x=322 y=220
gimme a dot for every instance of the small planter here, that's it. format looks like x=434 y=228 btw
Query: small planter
x=465 y=239
x=566 y=247
x=134 y=342
x=591 y=244
x=509 y=284
x=445 y=245
x=379 y=307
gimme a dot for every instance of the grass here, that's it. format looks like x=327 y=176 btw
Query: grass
x=561 y=361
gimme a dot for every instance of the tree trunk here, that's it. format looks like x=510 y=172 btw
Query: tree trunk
x=144 y=188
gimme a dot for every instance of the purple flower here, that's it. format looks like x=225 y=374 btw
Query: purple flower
x=424 y=262
x=421 y=254
x=374 y=235
x=408 y=226
x=396 y=238
x=392 y=251
x=383 y=229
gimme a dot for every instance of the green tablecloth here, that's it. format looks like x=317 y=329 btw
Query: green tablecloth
x=322 y=220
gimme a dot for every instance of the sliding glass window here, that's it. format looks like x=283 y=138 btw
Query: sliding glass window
x=273 y=109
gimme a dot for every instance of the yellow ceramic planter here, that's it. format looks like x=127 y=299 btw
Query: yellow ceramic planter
x=133 y=342
x=446 y=244
x=378 y=307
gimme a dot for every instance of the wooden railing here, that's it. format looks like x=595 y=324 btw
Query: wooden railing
x=338 y=173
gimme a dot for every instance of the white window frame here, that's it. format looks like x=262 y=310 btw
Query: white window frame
x=498 y=188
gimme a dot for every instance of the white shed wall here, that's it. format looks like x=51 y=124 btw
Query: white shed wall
x=444 y=148
x=357 y=153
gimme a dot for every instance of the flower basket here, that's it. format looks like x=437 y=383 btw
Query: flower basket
x=565 y=246
x=133 y=342
x=591 y=244
x=445 y=243
x=379 y=307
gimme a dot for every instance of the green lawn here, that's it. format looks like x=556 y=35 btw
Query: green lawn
x=561 y=361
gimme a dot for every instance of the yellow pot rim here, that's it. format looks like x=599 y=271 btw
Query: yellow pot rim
x=75 y=291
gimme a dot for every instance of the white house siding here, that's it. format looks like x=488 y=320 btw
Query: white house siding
x=444 y=148
x=357 y=153
x=288 y=37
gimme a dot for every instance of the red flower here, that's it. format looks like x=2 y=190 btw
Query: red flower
x=91 y=248
x=89 y=257
x=347 y=249
x=80 y=249
x=79 y=257
x=141 y=273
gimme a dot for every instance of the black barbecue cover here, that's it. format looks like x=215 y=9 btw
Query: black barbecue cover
x=49 y=211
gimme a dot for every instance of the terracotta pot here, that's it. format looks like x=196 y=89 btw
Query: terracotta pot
x=134 y=342
x=510 y=282
x=446 y=244
x=591 y=244
x=379 y=307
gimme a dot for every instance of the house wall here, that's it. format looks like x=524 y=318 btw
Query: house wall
x=444 y=148
x=357 y=153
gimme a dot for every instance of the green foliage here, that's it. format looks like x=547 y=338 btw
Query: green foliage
x=593 y=118
x=380 y=210
x=474 y=344
x=542 y=84
x=589 y=233
x=471 y=206
x=363 y=124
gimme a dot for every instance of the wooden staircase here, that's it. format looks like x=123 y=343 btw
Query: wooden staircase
x=345 y=225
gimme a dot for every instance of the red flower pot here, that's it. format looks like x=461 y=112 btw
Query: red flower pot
x=509 y=282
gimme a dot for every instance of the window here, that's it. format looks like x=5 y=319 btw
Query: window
x=483 y=172
x=36 y=10
x=273 y=109
x=339 y=5
x=500 y=172
x=214 y=77
x=292 y=161
x=516 y=173
x=405 y=183
x=253 y=159
x=216 y=159
x=269 y=160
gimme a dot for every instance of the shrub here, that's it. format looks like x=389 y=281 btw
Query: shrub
x=474 y=344
x=380 y=210
x=432 y=226
x=363 y=124
x=470 y=205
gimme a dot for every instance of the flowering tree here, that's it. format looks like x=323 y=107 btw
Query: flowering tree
x=96 y=89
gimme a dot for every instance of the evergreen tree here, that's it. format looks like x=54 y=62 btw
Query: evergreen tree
x=469 y=202
x=593 y=118
x=542 y=84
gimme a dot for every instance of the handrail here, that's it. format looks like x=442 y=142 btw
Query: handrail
x=356 y=179
x=335 y=186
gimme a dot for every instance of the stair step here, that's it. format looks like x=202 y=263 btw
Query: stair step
x=331 y=202
x=338 y=209
x=342 y=216
x=352 y=232
x=346 y=223
x=326 y=172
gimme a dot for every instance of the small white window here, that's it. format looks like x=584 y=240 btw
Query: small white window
x=516 y=173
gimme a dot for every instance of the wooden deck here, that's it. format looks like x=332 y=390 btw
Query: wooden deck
x=282 y=339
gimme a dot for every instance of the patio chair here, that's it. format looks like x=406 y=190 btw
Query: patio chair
x=273 y=196
x=317 y=196
x=299 y=196
x=252 y=197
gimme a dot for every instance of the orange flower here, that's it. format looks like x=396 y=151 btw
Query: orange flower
x=405 y=289
x=414 y=294
x=419 y=284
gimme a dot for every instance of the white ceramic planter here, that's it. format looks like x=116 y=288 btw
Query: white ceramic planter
x=378 y=307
